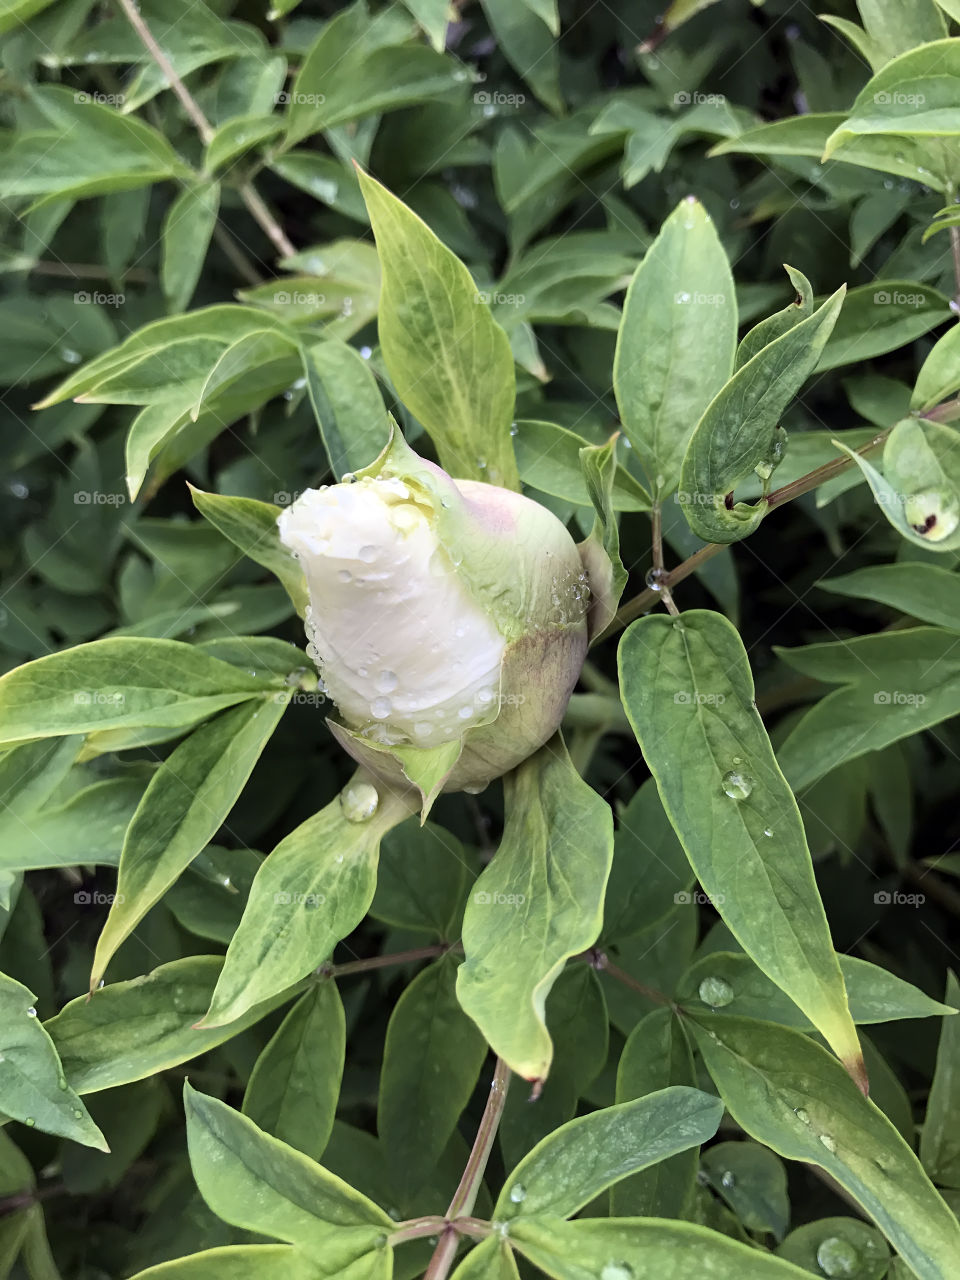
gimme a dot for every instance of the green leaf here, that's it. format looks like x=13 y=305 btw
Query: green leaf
x=259 y=1183
x=447 y=357
x=537 y=903
x=421 y=880
x=923 y=591
x=433 y=16
x=184 y=240
x=828 y=1238
x=656 y=1055
x=295 y=1084
x=32 y=1081
x=87 y=828
x=688 y=691
x=939 y=376
x=119 y=683
x=789 y=1094
x=881 y=317
x=184 y=806
x=915 y=95
x=237 y=136
x=894 y=684
x=752 y=1181
x=731 y=984
x=642 y=1249
x=548 y=457
x=676 y=342
x=737 y=434
x=600 y=552
x=16 y=12
x=782 y=322
x=896 y=28
x=575 y=1163
x=29 y=775
x=649 y=868
x=347 y=403
x=312 y=890
x=236 y=1262
x=431 y=1062
x=940 y=1135
x=252 y=526
x=529 y=45
x=492 y=1259
x=128 y=1031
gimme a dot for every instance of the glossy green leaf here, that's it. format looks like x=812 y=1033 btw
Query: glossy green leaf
x=252 y=526
x=347 y=403
x=688 y=691
x=641 y=1249
x=788 y=1093
x=130 y=1030
x=840 y=1242
x=119 y=683
x=29 y=774
x=600 y=552
x=447 y=357
x=738 y=434
x=312 y=890
x=186 y=803
x=433 y=16
x=940 y=1135
x=676 y=343
x=656 y=1056
x=893 y=685
x=431 y=1062
x=185 y=238
x=293 y=1089
x=939 y=376
x=913 y=95
x=492 y=1259
x=32 y=1081
x=753 y=1182
x=537 y=903
x=257 y=1182
x=87 y=828
x=881 y=317
x=238 y=135
x=236 y=1262
x=775 y=326
x=549 y=460
x=922 y=591
x=584 y=1157
x=421 y=879
x=530 y=47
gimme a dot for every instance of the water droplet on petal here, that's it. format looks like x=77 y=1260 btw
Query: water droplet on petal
x=715 y=992
x=380 y=708
x=736 y=785
x=368 y=553
x=359 y=801
x=838 y=1257
x=348 y=478
x=518 y=1193
x=345 y=575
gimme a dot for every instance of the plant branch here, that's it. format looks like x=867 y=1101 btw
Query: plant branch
x=659 y=571
x=385 y=961
x=248 y=194
x=645 y=601
x=465 y=1196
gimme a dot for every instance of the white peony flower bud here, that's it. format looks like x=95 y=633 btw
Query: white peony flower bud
x=445 y=616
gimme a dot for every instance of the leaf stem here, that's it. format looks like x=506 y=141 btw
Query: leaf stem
x=248 y=194
x=645 y=601
x=385 y=961
x=660 y=573
x=465 y=1196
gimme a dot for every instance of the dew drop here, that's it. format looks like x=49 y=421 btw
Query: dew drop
x=31 y=1012
x=348 y=478
x=345 y=575
x=69 y=356
x=617 y=1271
x=736 y=785
x=728 y=1179
x=518 y=1193
x=359 y=801
x=485 y=697
x=838 y=1257
x=465 y=713
x=62 y=1082
x=514 y=429
x=768 y=832
x=802 y=1116
x=29 y=1122
x=421 y=728
x=368 y=553
x=828 y=1142
x=655 y=578
x=386 y=682
x=77 y=1113
x=715 y=992
x=380 y=708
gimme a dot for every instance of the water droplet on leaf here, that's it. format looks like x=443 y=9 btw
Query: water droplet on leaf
x=736 y=785
x=518 y=1194
x=617 y=1271
x=359 y=801
x=828 y=1142
x=838 y=1257
x=728 y=1179
x=716 y=992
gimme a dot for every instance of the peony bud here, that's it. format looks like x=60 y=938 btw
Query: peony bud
x=447 y=619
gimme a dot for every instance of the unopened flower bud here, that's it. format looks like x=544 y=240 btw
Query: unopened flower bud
x=441 y=612
x=933 y=514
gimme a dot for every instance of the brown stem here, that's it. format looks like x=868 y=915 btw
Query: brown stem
x=656 y=523
x=203 y=126
x=384 y=962
x=949 y=411
x=645 y=601
x=465 y=1195
x=416 y=1229
x=628 y=980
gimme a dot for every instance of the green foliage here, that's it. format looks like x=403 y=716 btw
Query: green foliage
x=670 y=271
